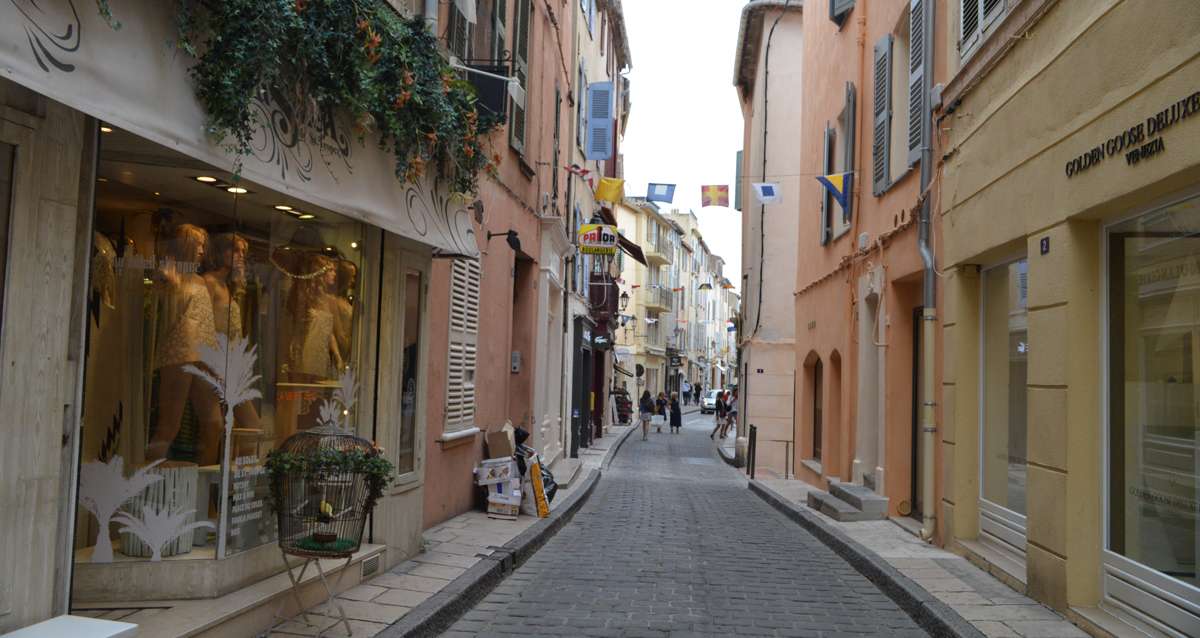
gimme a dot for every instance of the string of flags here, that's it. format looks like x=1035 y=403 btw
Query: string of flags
x=714 y=195
x=660 y=193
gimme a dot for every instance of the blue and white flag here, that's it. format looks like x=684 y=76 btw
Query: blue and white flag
x=766 y=192
x=660 y=193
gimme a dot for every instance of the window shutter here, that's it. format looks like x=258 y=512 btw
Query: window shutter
x=992 y=9
x=849 y=126
x=516 y=132
x=600 y=121
x=499 y=30
x=581 y=108
x=970 y=23
x=464 y=333
x=917 y=127
x=882 y=131
x=826 y=198
x=839 y=9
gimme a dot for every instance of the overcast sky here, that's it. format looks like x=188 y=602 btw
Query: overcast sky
x=685 y=125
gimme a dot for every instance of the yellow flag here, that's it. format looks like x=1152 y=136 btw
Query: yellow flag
x=610 y=189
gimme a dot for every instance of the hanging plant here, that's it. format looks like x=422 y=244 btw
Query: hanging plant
x=353 y=57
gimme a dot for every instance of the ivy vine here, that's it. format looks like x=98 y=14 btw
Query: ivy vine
x=282 y=466
x=355 y=57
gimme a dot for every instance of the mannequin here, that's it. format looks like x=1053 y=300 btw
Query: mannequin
x=342 y=305
x=225 y=277
x=186 y=322
x=313 y=352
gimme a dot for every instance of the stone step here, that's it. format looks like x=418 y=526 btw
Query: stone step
x=565 y=470
x=861 y=498
x=836 y=508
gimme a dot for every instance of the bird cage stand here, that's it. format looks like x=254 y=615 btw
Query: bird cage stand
x=331 y=601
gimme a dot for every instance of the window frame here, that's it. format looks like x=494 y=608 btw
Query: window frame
x=985 y=25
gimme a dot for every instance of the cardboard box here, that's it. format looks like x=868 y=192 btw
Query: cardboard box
x=492 y=471
x=505 y=493
x=500 y=443
x=502 y=511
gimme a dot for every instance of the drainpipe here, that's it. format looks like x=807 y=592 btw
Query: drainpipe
x=929 y=309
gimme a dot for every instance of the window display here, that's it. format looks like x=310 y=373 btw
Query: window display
x=1154 y=409
x=1005 y=369
x=220 y=318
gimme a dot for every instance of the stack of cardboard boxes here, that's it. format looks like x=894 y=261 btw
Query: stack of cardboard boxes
x=500 y=475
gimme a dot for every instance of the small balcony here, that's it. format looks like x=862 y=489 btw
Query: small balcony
x=657 y=250
x=660 y=299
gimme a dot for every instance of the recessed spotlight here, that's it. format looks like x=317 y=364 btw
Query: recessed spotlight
x=206 y=179
x=329 y=249
x=283 y=207
x=156 y=193
x=101 y=179
x=106 y=129
x=306 y=216
x=354 y=244
x=237 y=190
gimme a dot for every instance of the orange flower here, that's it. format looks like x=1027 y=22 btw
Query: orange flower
x=363 y=25
x=496 y=159
x=432 y=136
x=402 y=99
x=469 y=151
x=408 y=78
x=301 y=5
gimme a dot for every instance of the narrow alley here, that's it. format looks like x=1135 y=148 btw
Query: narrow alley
x=673 y=544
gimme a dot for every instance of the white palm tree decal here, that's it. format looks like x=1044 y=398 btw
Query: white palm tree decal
x=237 y=359
x=103 y=488
x=159 y=526
x=335 y=412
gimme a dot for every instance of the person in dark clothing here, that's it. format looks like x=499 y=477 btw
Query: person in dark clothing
x=662 y=411
x=645 y=412
x=676 y=414
x=719 y=411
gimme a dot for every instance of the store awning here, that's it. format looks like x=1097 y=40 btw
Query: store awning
x=128 y=79
x=623 y=371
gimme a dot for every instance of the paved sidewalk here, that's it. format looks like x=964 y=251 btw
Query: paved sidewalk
x=449 y=549
x=993 y=607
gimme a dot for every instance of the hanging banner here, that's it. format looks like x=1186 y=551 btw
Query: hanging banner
x=598 y=239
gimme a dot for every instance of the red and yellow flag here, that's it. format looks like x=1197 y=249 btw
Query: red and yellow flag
x=715 y=195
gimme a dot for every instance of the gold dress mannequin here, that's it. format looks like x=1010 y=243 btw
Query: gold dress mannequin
x=310 y=358
x=225 y=277
x=342 y=305
x=187 y=315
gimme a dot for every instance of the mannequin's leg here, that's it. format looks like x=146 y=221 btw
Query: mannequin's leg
x=173 y=387
x=211 y=422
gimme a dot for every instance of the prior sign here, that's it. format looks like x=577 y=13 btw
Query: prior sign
x=598 y=239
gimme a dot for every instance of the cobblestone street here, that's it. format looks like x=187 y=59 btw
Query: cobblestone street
x=672 y=544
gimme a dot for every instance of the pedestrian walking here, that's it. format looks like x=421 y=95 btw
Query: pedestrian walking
x=686 y=388
x=719 y=418
x=645 y=411
x=699 y=392
x=676 y=414
x=662 y=411
x=731 y=413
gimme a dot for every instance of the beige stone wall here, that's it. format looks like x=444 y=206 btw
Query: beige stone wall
x=1084 y=72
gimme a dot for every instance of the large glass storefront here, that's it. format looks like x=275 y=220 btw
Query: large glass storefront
x=1005 y=354
x=1153 y=403
x=221 y=316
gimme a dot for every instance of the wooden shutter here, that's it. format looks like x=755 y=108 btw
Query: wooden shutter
x=499 y=30
x=826 y=197
x=850 y=129
x=600 y=121
x=992 y=9
x=580 y=107
x=464 y=333
x=882 y=115
x=970 y=23
x=917 y=128
x=516 y=132
x=839 y=9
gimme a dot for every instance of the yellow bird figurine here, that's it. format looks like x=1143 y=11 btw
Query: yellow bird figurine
x=326 y=508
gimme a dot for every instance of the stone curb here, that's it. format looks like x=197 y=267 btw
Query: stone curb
x=729 y=460
x=933 y=615
x=444 y=608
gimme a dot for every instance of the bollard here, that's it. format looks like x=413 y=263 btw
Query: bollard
x=752 y=455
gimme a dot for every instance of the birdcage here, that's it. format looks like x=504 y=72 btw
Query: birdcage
x=322 y=493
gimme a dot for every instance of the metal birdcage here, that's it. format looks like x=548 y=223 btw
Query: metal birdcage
x=322 y=514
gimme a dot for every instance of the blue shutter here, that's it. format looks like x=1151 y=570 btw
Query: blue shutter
x=826 y=198
x=600 y=121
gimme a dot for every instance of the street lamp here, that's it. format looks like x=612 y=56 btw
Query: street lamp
x=624 y=301
x=705 y=286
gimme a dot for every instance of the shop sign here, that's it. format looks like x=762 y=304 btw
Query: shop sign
x=598 y=239
x=676 y=362
x=135 y=80
x=1140 y=141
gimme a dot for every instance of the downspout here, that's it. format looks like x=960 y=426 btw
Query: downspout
x=929 y=309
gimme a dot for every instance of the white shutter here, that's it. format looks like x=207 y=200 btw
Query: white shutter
x=516 y=131
x=464 y=332
x=992 y=9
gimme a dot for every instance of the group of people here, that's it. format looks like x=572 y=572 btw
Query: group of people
x=659 y=409
x=691 y=393
x=664 y=408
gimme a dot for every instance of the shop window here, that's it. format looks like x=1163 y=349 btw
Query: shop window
x=1005 y=365
x=222 y=318
x=409 y=397
x=1154 y=354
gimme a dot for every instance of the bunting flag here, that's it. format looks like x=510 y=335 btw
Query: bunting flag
x=660 y=193
x=714 y=195
x=576 y=169
x=839 y=185
x=610 y=189
x=767 y=192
